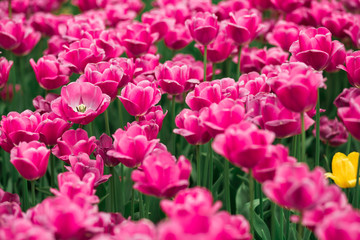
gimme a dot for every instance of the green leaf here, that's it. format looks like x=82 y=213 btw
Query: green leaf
x=242 y=197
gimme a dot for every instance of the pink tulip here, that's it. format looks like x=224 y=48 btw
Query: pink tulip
x=340 y=225
x=173 y=78
x=203 y=27
x=22 y=228
x=244 y=144
x=104 y=75
x=47 y=23
x=218 y=117
x=283 y=34
x=155 y=114
x=29 y=41
x=56 y=45
x=295 y=187
x=118 y=13
x=9 y=197
x=43 y=105
x=189 y=201
x=131 y=146
x=146 y=64
x=81 y=164
x=254 y=83
x=336 y=201
x=161 y=175
x=49 y=72
x=11 y=33
x=251 y=59
x=110 y=43
x=281 y=121
x=128 y=67
x=18 y=127
x=297 y=85
x=80 y=103
x=150 y=128
x=338 y=22
x=73 y=142
x=88 y=4
x=138 y=99
x=64 y=217
x=332 y=132
x=5 y=67
x=80 y=53
x=224 y=8
x=73 y=187
x=158 y=22
x=82 y=27
x=177 y=37
x=30 y=159
x=349 y=116
x=137 y=39
x=191 y=128
x=352 y=64
x=51 y=128
x=207 y=93
x=244 y=26
x=276 y=156
x=143 y=229
x=288 y=5
x=316 y=49
x=219 y=226
x=343 y=100
x=103 y=145
x=220 y=49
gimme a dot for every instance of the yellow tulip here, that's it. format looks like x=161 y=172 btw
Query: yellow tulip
x=344 y=169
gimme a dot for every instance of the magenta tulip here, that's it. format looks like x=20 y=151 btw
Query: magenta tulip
x=104 y=75
x=5 y=67
x=332 y=132
x=74 y=142
x=316 y=49
x=352 y=66
x=49 y=72
x=80 y=103
x=161 y=175
x=81 y=164
x=243 y=144
x=11 y=33
x=30 y=159
x=283 y=34
x=297 y=85
x=349 y=116
x=138 y=99
x=203 y=27
x=132 y=146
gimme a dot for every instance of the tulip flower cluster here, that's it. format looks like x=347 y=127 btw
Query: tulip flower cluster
x=179 y=119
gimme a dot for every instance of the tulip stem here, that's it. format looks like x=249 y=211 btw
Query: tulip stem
x=281 y=220
x=33 y=193
x=10 y=9
x=348 y=144
x=52 y=170
x=91 y=129
x=141 y=205
x=198 y=168
x=122 y=180
x=302 y=137
x=112 y=190
x=356 y=197
x=132 y=203
x=107 y=125
x=227 y=185
x=317 y=119
x=211 y=168
x=287 y=226
x=251 y=210
x=238 y=64
x=300 y=227
x=261 y=201
x=173 y=123
x=205 y=62
x=120 y=113
x=25 y=194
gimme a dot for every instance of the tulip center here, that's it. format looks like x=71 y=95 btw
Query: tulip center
x=81 y=108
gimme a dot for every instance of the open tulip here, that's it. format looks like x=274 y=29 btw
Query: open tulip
x=80 y=103
x=30 y=159
x=161 y=175
x=344 y=169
